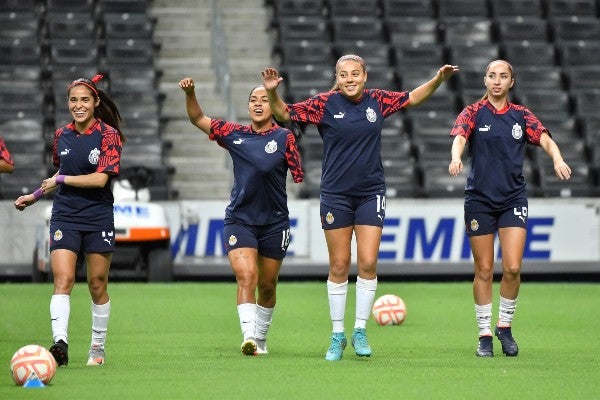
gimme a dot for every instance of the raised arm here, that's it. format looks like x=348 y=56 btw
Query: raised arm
x=422 y=93
x=194 y=111
x=561 y=169
x=271 y=80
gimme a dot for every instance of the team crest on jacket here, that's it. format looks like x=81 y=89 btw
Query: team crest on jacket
x=329 y=218
x=271 y=147
x=474 y=225
x=232 y=240
x=371 y=116
x=94 y=156
x=517 y=132
x=58 y=235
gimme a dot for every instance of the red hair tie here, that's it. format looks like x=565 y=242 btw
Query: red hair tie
x=97 y=77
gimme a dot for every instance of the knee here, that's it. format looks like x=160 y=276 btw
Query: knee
x=485 y=273
x=246 y=278
x=63 y=283
x=512 y=271
x=339 y=267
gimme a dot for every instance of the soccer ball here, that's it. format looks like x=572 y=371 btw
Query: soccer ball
x=389 y=309
x=32 y=359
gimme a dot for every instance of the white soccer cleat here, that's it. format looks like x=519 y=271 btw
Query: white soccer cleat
x=261 y=347
x=249 y=347
x=96 y=355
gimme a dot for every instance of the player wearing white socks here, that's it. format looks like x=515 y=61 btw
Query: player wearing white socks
x=256 y=227
x=87 y=155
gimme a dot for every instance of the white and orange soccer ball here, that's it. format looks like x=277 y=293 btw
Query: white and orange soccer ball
x=32 y=359
x=389 y=309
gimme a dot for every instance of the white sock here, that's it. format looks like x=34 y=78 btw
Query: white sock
x=247 y=314
x=507 y=311
x=100 y=316
x=337 y=293
x=365 y=296
x=60 y=309
x=264 y=316
x=483 y=314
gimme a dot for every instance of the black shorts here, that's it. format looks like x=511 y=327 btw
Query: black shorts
x=77 y=241
x=341 y=211
x=485 y=223
x=271 y=241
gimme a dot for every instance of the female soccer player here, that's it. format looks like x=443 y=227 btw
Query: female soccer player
x=6 y=162
x=257 y=226
x=87 y=153
x=496 y=196
x=350 y=119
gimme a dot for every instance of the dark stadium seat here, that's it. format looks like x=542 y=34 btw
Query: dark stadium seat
x=579 y=185
x=522 y=29
x=73 y=51
x=539 y=77
x=408 y=8
x=437 y=125
x=70 y=25
x=301 y=28
x=438 y=183
x=401 y=178
x=130 y=51
x=19 y=6
x=349 y=8
x=311 y=187
x=124 y=6
x=587 y=102
x=72 y=6
x=581 y=8
x=142 y=77
x=381 y=77
x=18 y=25
x=579 y=54
x=575 y=29
x=365 y=28
x=19 y=51
x=501 y=9
x=294 y=8
x=529 y=53
x=307 y=51
x=304 y=81
x=582 y=78
x=410 y=56
x=128 y=25
x=378 y=55
x=546 y=102
x=468 y=32
x=476 y=56
x=411 y=30
x=462 y=9
x=24 y=180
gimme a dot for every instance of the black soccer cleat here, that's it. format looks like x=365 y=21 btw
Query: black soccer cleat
x=509 y=346
x=485 y=348
x=60 y=351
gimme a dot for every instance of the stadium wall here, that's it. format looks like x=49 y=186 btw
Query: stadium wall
x=420 y=237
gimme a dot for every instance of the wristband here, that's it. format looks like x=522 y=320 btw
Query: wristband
x=60 y=179
x=38 y=194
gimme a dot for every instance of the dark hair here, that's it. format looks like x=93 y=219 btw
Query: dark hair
x=295 y=127
x=107 y=110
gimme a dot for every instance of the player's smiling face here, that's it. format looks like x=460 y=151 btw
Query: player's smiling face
x=258 y=106
x=82 y=105
x=351 y=77
x=498 y=79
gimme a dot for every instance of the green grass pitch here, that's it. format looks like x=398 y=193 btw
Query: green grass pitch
x=181 y=341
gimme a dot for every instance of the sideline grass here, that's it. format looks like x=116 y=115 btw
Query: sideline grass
x=181 y=341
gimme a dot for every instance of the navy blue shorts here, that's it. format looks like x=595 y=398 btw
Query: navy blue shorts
x=271 y=241
x=485 y=223
x=341 y=211
x=85 y=241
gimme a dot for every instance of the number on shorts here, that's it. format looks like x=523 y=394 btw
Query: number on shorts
x=380 y=203
x=285 y=238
